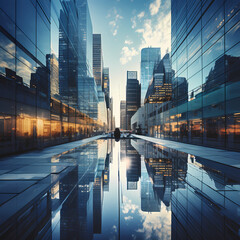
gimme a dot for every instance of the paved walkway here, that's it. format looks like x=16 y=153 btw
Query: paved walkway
x=229 y=158
x=25 y=176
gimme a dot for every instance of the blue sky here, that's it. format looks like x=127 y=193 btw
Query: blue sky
x=127 y=26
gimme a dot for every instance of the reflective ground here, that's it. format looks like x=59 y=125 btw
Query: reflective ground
x=131 y=189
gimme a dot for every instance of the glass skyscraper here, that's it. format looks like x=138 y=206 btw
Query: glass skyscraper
x=149 y=56
x=97 y=59
x=133 y=96
x=206 y=52
x=205 y=107
x=87 y=89
x=160 y=87
x=39 y=87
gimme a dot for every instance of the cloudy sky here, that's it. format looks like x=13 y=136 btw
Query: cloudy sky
x=127 y=26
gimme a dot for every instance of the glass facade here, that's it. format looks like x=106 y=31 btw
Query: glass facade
x=205 y=106
x=160 y=87
x=39 y=75
x=87 y=89
x=149 y=57
x=133 y=96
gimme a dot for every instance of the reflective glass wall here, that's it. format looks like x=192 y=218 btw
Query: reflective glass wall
x=205 y=107
x=38 y=75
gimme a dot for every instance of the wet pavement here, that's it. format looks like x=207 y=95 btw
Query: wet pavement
x=131 y=189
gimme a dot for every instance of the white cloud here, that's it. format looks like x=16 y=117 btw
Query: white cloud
x=115 y=18
x=157 y=34
x=154 y=7
x=134 y=23
x=128 y=42
x=127 y=54
x=141 y=15
x=128 y=218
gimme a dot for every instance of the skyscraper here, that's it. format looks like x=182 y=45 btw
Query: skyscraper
x=87 y=89
x=106 y=85
x=160 y=87
x=123 y=119
x=149 y=56
x=97 y=59
x=133 y=96
x=40 y=57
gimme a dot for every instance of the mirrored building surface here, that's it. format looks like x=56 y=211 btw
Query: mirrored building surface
x=43 y=61
x=204 y=107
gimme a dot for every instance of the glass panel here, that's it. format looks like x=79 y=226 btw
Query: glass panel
x=27 y=22
x=7 y=62
x=8 y=6
x=215 y=51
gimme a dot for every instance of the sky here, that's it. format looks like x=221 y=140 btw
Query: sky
x=127 y=26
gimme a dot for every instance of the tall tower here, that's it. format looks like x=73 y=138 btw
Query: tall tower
x=97 y=59
x=133 y=96
x=149 y=56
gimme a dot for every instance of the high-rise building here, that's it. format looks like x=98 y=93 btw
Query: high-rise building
x=87 y=89
x=39 y=81
x=160 y=87
x=149 y=57
x=98 y=76
x=123 y=119
x=106 y=85
x=205 y=52
x=68 y=55
x=133 y=96
x=205 y=55
x=97 y=59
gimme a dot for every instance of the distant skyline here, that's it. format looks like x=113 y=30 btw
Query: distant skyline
x=127 y=26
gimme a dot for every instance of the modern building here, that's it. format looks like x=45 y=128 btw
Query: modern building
x=123 y=119
x=160 y=87
x=207 y=56
x=106 y=85
x=87 y=88
x=149 y=57
x=204 y=109
x=97 y=59
x=39 y=76
x=133 y=96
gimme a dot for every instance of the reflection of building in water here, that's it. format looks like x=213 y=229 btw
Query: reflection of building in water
x=133 y=166
x=206 y=208
x=97 y=202
x=83 y=210
x=33 y=222
x=69 y=212
x=148 y=199
x=166 y=169
x=106 y=174
x=123 y=149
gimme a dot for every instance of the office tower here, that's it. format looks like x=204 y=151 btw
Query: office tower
x=97 y=59
x=106 y=84
x=68 y=55
x=160 y=87
x=39 y=87
x=123 y=119
x=98 y=76
x=207 y=57
x=87 y=89
x=149 y=56
x=133 y=96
